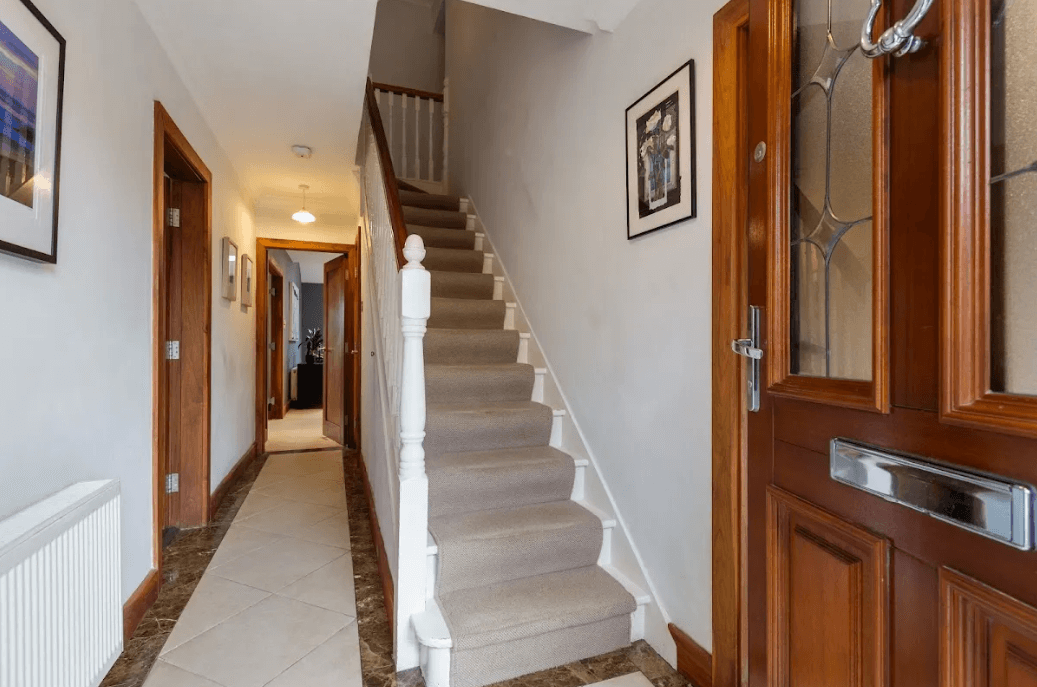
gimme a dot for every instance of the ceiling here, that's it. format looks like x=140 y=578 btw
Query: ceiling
x=581 y=15
x=311 y=264
x=269 y=74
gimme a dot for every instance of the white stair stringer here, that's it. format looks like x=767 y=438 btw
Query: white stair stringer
x=618 y=557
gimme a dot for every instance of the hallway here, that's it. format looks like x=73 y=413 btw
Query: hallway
x=298 y=430
x=276 y=605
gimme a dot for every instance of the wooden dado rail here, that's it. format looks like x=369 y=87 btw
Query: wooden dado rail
x=392 y=192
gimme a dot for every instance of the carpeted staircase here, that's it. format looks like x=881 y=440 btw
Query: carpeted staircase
x=518 y=583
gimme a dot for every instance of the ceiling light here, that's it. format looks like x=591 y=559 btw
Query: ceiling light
x=305 y=152
x=304 y=216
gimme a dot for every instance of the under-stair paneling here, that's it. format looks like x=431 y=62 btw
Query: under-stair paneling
x=988 y=639
x=828 y=598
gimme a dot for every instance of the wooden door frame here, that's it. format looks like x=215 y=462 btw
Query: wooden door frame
x=278 y=399
x=168 y=133
x=263 y=245
x=730 y=171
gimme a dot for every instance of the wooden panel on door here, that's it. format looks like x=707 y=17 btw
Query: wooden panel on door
x=828 y=600
x=989 y=639
x=335 y=273
x=174 y=289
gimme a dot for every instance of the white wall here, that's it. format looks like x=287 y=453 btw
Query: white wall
x=537 y=141
x=80 y=408
x=406 y=50
x=293 y=231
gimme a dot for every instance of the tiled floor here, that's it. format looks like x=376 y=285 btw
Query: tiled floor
x=298 y=430
x=283 y=590
x=276 y=606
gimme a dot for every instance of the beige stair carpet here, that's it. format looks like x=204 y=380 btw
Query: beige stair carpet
x=518 y=583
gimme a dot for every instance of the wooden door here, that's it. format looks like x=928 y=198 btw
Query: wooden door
x=276 y=353
x=336 y=349
x=174 y=332
x=890 y=251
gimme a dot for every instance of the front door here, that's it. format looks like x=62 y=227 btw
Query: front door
x=892 y=219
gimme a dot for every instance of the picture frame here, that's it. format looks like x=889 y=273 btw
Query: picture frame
x=32 y=84
x=247 y=277
x=660 y=154
x=229 y=257
x=294 y=314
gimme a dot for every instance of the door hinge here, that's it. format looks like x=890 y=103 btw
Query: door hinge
x=173 y=483
x=272 y=345
x=270 y=401
x=172 y=350
x=750 y=348
x=174 y=217
x=273 y=290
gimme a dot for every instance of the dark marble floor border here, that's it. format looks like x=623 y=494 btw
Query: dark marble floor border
x=183 y=563
x=376 y=647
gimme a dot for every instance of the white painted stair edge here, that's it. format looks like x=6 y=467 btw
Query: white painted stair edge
x=619 y=556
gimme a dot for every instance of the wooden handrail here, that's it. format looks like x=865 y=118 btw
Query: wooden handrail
x=392 y=192
x=403 y=90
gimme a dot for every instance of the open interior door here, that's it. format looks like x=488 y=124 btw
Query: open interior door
x=338 y=377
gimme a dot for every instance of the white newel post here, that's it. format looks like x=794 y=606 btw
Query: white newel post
x=415 y=295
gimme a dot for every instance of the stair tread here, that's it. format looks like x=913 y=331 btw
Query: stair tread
x=531 y=606
x=431 y=217
x=451 y=345
x=512 y=522
x=496 y=460
x=479 y=408
x=429 y=200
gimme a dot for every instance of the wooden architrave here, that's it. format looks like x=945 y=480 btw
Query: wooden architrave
x=730 y=186
x=262 y=303
x=871 y=395
x=168 y=133
x=966 y=324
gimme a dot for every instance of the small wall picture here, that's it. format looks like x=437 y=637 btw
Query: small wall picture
x=32 y=72
x=246 y=281
x=230 y=269
x=294 y=314
x=660 y=139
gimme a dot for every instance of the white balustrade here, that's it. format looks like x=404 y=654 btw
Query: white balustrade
x=400 y=297
x=415 y=155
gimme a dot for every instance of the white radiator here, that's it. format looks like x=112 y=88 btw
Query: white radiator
x=293 y=384
x=60 y=589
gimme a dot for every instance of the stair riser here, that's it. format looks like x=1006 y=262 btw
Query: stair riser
x=435 y=218
x=451 y=350
x=453 y=260
x=444 y=238
x=473 y=386
x=460 y=285
x=465 y=492
x=429 y=201
x=493 y=561
x=471 y=314
x=444 y=434
x=482 y=666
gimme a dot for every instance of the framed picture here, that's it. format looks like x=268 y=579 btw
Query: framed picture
x=294 y=314
x=32 y=73
x=660 y=140
x=246 y=281
x=230 y=268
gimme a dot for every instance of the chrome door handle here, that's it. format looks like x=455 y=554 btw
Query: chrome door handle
x=750 y=348
x=745 y=348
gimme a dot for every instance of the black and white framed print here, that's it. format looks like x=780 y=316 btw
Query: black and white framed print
x=246 y=281
x=32 y=72
x=660 y=139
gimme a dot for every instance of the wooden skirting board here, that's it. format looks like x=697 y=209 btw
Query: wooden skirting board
x=384 y=571
x=138 y=604
x=693 y=662
x=232 y=477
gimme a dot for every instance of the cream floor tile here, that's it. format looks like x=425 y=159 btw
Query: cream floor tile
x=292 y=465
x=333 y=532
x=304 y=489
x=167 y=675
x=336 y=663
x=299 y=429
x=289 y=517
x=637 y=679
x=240 y=540
x=330 y=587
x=255 y=646
x=214 y=600
x=256 y=502
x=266 y=478
x=276 y=566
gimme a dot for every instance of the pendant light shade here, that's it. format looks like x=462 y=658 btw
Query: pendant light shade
x=304 y=216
